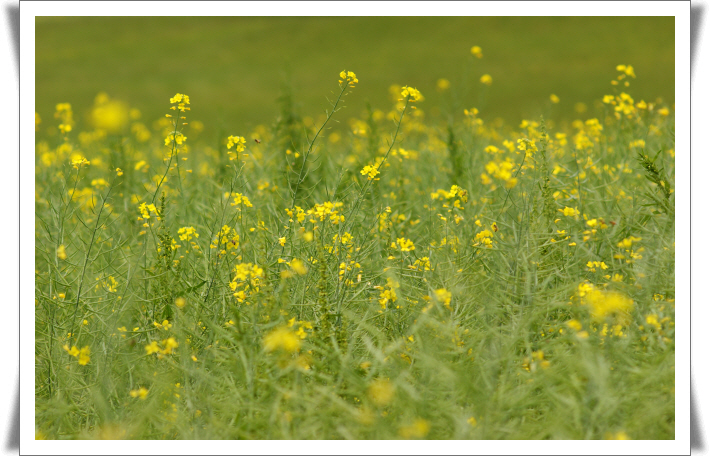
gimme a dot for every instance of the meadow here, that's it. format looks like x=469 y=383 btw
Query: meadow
x=396 y=278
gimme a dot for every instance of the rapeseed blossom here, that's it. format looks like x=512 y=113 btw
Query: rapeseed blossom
x=411 y=94
x=349 y=78
x=405 y=245
x=444 y=297
x=81 y=355
x=569 y=212
x=140 y=393
x=417 y=430
x=605 y=304
x=283 y=339
x=371 y=172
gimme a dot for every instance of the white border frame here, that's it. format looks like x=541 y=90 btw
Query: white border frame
x=681 y=11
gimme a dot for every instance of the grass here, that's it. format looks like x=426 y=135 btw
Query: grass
x=409 y=277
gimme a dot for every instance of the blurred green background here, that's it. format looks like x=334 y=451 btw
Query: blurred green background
x=235 y=68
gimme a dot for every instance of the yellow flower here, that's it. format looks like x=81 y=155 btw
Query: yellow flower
x=79 y=162
x=381 y=392
x=165 y=325
x=442 y=84
x=411 y=93
x=371 y=172
x=140 y=393
x=406 y=245
x=152 y=348
x=574 y=324
x=169 y=345
x=476 y=50
x=186 y=233
x=486 y=79
x=444 y=297
x=349 y=77
x=605 y=304
x=84 y=356
x=282 y=339
x=554 y=98
x=569 y=212
x=73 y=351
x=417 y=430
x=240 y=199
x=298 y=266
x=61 y=252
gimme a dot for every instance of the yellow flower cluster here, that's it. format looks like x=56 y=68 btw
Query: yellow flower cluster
x=300 y=214
x=371 y=172
x=109 y=115
x=327 y=209
x=626 y=69
x=284 y=339
x=419 y=429
x=421 y=264
x=569 y=212
x=349 y=78
x=626 y=243
x=302 y=326
x=454 y=192
x=411 y=93
x=240 y=144
x=405 y=245
x=605 y=304
x=241 y=200
x=180 y=100
x=485 y=238
x=146 y=210
x=82 y=355
x=65 y=115
x=164 y=325
x=238 y=141
x=623 y=104
x=177 y=138
x=296 y=267
x=168 y=347
x=444 y=297
x=537 y=359
x=247 y=278
x=186 y=233
x=501 y=170
x=593 y=265
x=110 y=284
x=389 y=293
x=79 y=162
x=227 y=238
x=140 y=393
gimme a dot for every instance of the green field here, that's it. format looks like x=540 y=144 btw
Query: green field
x=412 y=275
x=239 y=67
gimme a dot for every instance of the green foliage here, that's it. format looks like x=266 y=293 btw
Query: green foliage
x=407 y=279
